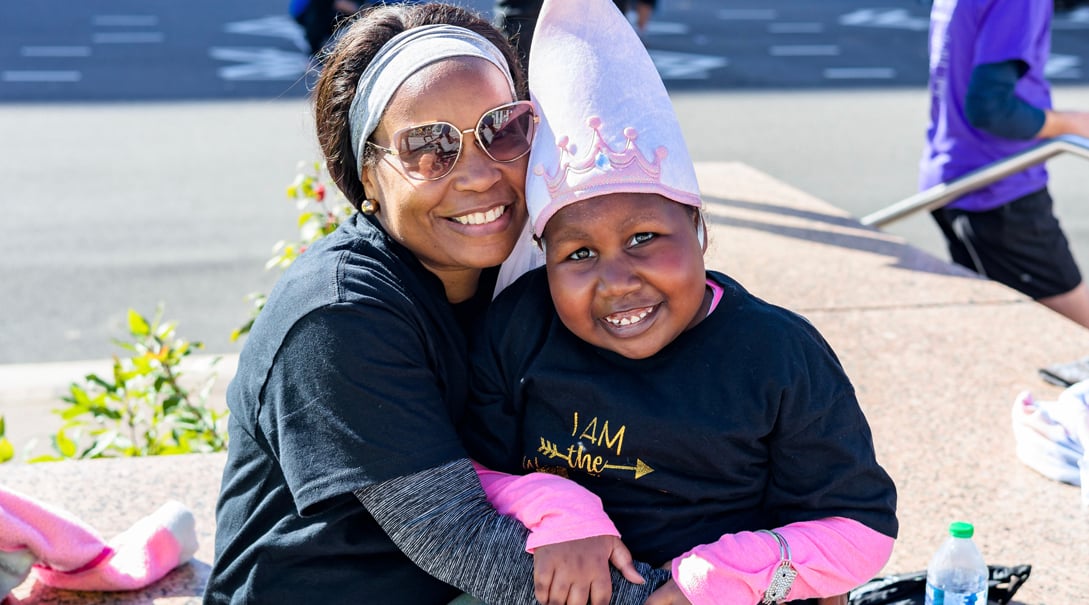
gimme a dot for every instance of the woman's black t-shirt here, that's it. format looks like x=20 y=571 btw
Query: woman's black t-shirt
x=354 y=373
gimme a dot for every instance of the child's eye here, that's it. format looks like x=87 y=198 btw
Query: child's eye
x=641 y=238
x=580 y=254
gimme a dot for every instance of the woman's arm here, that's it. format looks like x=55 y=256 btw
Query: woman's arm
x=441 y=519
x=832 y=556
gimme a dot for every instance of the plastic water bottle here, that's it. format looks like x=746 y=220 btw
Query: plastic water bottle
x=957 y=574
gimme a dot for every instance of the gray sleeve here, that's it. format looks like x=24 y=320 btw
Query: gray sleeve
x=441 y=519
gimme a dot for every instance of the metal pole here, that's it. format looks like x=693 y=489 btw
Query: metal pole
x=941 y=194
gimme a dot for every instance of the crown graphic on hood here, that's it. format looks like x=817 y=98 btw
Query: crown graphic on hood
x=607 y=123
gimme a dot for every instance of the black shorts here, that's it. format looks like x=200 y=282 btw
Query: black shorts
x=1019 y=244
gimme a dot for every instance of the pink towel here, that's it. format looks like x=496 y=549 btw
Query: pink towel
x=70 y=554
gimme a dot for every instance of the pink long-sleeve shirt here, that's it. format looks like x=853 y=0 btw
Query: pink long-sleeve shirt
x=831 y=555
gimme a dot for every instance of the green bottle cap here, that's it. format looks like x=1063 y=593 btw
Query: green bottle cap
x=960 y=529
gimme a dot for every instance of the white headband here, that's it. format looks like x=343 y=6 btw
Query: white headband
x=405 y=54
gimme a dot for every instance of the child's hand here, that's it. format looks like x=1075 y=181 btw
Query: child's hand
x=577 y=572
x=668 y=594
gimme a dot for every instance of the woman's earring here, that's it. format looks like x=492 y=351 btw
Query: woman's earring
x=701 y=230
x=369 y=206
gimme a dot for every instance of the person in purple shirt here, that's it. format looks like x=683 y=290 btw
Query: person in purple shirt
x=990 y=100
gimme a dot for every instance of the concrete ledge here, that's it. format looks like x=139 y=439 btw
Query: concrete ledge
x=936 y=354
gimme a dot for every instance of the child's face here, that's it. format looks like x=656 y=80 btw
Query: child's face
x=626 y=271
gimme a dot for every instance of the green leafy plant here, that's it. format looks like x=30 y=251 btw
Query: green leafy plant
x=141 y=408
x=7 y=451
x=321 y=209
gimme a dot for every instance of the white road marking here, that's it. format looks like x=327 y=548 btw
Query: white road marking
x=1075 y=19
x=279 y=26
x=55 y=51
x=260 y=63
x=128 y=38
x=804 y=50
x=897 y=18
x=860 y=73
x=747 y=14
x=125 y=20
x=795 y=28
x=41 y=76
x=1063 y=67
x=685 y=66
x=666 y=27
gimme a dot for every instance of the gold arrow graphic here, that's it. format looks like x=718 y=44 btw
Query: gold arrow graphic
x=641 y=468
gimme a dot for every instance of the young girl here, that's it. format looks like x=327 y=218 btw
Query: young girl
x=719 y=431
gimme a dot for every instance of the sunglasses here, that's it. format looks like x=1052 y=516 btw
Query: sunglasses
x=428 y=152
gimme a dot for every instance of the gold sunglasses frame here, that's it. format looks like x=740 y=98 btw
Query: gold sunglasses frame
x=461 y=144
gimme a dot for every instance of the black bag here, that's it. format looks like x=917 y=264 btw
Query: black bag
x=910 y=588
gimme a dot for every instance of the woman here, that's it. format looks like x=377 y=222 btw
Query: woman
x=345 y=471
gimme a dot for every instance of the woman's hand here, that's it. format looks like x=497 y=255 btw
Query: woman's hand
x=577 y=572
x=668 y=594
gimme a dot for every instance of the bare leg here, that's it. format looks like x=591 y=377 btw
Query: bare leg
x=642 y=15
x=1073 y=304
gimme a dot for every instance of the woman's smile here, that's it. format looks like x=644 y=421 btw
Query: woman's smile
x=481 y=218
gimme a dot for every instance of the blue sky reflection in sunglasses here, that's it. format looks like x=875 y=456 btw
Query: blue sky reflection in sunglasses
x=430 y=150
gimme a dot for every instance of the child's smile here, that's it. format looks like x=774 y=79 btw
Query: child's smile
x=626 y=271
x=629 y=318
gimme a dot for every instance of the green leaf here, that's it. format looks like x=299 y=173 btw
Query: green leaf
x=305 y=217
x=128 y=346
x=123 y=376
x=141 y=364
x=101 y=444
x=64 y=445
x=170 y=403
x=100 y=410
x=7 y=451
x=79 y=395
x=171 y=450
x=94 y=378
x=138 y=326
x=2 y=428
x=44 y=458
x=75 y=410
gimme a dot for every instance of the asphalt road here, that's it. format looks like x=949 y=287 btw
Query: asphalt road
x=145 y=149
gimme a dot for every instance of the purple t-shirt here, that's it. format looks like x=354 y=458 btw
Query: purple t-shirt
x=964 y=34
